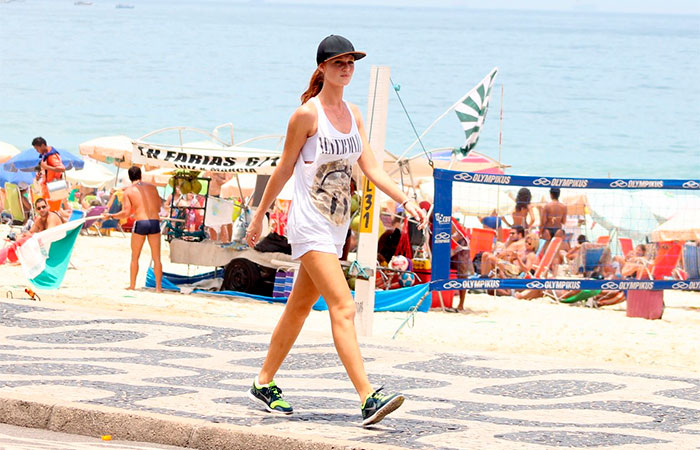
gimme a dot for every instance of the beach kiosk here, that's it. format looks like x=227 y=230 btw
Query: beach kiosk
x=245 y=269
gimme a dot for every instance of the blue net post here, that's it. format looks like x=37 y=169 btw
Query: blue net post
x=442 y=228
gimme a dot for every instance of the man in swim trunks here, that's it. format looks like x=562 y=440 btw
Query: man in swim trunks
x=553 y=214
x=142 y=201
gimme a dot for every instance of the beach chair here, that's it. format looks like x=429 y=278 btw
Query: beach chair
x=626 y=246
x=503 y=234
x=591 y=258
x=547 y=259
x=14 y=204
x=603 y=240
x=113 y=224
x=481 y=241
x=691 y=260
x=76 y=214
x=663 y=267
x=92 y=217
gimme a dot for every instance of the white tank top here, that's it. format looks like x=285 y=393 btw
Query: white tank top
x=320 y=210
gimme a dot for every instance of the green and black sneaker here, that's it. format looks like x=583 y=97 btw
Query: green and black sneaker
x=377 y=405
x=271 y=396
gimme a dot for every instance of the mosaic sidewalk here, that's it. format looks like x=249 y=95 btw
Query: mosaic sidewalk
x=195 y=371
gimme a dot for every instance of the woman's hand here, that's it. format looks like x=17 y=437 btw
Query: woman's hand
x=252 y=234
x=417 y=213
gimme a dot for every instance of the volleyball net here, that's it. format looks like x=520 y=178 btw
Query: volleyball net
x=615 y=234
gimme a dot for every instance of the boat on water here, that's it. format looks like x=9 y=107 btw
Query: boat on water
x=124 y=6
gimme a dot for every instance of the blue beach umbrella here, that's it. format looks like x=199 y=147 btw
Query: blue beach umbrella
x=27 y=160
x=18 y=178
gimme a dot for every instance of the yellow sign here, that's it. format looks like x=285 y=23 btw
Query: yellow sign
x=368 y=198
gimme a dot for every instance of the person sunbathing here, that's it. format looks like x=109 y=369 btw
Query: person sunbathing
x=634 y=263
x=514 y=244
x=522 y=262
x=511 y=264
x=45 y=219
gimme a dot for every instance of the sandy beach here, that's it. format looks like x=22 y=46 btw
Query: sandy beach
x=492 y=324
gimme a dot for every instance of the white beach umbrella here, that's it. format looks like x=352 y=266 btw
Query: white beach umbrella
x=247 y=182
x=7 y=151
x=622 y=212
x=159 y=177
x=92 y=175
x=683 y=226
x=472 y=199
x=664 y=204
x=114 y=150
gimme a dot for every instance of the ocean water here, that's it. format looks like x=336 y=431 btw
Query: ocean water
x=590 y=95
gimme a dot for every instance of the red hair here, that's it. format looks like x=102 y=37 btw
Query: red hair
x=315 y=85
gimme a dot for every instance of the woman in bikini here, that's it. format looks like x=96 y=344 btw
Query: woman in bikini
x=523 y=210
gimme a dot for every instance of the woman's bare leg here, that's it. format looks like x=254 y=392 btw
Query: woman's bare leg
x=303 y=296
x=325 y=270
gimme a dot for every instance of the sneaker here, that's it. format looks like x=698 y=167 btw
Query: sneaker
x=271 y=396
x=377 y=405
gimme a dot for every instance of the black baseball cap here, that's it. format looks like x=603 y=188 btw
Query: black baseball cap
x=333 y=46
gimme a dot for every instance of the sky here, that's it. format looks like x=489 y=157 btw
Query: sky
x=620 y=6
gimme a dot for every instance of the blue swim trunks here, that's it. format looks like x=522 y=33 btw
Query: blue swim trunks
x=146 y=227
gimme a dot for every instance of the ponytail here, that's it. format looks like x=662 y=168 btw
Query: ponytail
x=314 y=88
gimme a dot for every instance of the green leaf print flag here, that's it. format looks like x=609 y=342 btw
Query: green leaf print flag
x=471 y=111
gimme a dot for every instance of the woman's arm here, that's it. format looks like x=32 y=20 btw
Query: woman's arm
x=301 y=125
x=377 y=175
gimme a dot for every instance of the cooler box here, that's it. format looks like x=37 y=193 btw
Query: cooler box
x=646 y=304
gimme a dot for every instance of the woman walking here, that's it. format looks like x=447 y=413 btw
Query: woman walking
x=325 y=137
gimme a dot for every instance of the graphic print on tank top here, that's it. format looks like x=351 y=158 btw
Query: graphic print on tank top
x=330 y=191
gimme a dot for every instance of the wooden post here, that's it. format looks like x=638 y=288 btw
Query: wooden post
x=375 y=124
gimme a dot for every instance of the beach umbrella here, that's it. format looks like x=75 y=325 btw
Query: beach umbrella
x=92 y=175
x=664 y=204
x=159 y=177
x=21 y=179
x=575 y=204
x=417 y=166
x=683 y=226
x=114 y=150
x=7 y=151
x=247 y=183
x=27 y=160
x=472 y=199
x=622 y=212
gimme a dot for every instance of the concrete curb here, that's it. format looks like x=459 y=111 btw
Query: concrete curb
x=96 y=421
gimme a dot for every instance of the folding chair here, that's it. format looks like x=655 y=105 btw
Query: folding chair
x=481 y=241
x=592 y=256
x=92 y=217
x=664 y=265
x=113 y=224
x=547 y=259
x=604 y=240
x=14 y=204
x=626 y=246
x=691 y=260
